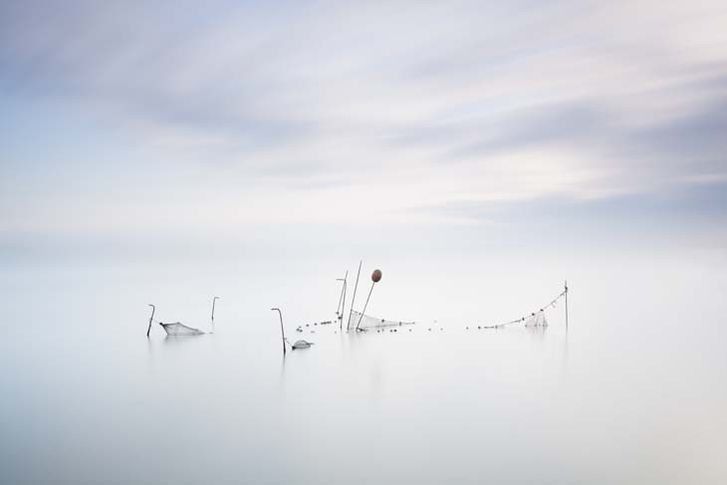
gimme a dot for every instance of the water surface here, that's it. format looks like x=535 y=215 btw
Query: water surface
x=634 y=392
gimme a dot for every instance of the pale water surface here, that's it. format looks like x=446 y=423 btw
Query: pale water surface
x=634 y=392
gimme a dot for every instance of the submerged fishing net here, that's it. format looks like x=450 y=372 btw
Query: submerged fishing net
x=369 y=322
x=537 y=320
x=179 y=329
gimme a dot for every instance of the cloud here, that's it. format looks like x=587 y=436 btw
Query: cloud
x=322 y=112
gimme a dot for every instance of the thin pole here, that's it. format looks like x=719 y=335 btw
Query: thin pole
x=566 y=305
x=342 y=298
x=153 y=309
x=343 y=307
x=345 y=290
x=213 y=307
x=365 y=304
x=282 y=329
x=353 y=299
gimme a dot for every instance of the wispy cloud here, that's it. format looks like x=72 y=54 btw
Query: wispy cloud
x=327 y=112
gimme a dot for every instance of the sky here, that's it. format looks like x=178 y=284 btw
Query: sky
x=146 y=127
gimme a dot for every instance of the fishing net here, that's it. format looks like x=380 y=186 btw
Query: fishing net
x=368 y=322
x=534 y=319
x=179 y=329
x=537 y=320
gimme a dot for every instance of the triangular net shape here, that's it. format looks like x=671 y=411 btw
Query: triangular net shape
x=368 y=322
x=179 y=329
x=536 y=320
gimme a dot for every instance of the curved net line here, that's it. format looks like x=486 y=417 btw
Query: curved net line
x=534 y=319
x=368 y=321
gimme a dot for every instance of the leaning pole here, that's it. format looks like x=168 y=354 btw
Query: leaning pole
x=375 y=278
x=341 y=308
x=353 y=298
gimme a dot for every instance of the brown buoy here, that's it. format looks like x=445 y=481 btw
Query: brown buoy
x=375 y=278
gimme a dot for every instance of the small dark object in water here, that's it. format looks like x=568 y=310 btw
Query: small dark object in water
x=429 y=329
x=301 y=344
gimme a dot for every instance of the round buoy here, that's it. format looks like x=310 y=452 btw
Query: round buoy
x=376 y=276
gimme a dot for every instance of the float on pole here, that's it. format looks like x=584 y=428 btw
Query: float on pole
x=375 y=278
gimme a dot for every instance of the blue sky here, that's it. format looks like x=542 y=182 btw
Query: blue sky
x=145 y=123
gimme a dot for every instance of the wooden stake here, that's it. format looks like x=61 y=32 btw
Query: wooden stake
x=353 y=299
x=342 y=300
x=213 y=307
x=282 y=329
x=365 y=305
x=566 y=305
x=153 y=309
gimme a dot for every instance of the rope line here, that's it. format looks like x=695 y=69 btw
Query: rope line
x=551 y=304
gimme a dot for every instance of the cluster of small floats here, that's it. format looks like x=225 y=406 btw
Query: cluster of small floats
x=178 y=329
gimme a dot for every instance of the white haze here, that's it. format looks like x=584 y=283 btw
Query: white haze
x=631 y=394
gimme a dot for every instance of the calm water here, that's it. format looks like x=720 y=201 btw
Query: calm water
x=634 y=392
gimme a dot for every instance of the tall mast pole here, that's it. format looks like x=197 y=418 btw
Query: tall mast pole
x=353 y=298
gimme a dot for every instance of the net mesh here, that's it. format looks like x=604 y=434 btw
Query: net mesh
x=179 y=329
x=534 y=319
x=369 y=322
x=537 y=320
